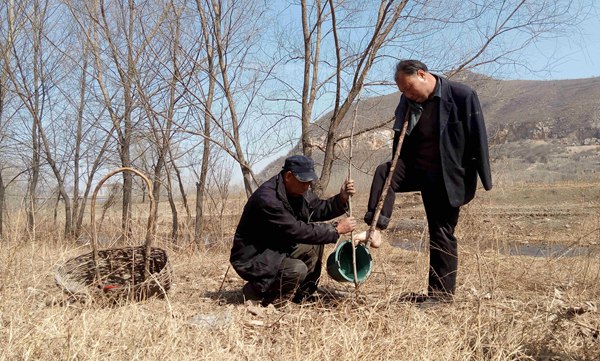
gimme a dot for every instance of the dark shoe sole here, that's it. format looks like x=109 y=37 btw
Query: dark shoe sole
x=412 y=297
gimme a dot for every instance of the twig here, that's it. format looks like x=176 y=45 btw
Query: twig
x=222 y=282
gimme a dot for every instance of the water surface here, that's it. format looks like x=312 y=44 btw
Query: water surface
x=514 y=249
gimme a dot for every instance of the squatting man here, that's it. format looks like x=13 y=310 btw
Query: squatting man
x=279 y=241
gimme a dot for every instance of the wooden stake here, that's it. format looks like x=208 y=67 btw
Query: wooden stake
x=350 y=198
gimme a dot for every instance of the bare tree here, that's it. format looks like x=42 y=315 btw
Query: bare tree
x=236 y=29
x=161 y=130
x=40 y=75
x=387 y=16
x=88 y=130
x=208 y=43
x=112 y=41
x=332 y=61
x=341 y=41
x=78 y=139
x=222 y=42
x=28 y=29
x=3 y=97
x=163 y=91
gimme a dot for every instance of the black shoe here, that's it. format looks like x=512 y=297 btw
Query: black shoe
x=433 y=301
x=305 y=297
x=251 y=293
x=441 y=296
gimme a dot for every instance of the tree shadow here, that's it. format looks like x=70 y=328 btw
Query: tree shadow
x=323 y=297
x=226 y=297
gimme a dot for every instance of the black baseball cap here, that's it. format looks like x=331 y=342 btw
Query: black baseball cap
x=302 y=167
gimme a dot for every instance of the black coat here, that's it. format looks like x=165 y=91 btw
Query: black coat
x=463 y=143
x=269 y=229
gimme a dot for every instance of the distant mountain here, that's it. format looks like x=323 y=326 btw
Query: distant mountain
x=567 y=110
x=539 y=131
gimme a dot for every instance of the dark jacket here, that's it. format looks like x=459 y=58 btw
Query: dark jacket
x=463 y=143
x=269 y=229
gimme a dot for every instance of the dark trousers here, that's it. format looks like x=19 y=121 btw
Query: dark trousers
x=441 y=219
x=299 y=273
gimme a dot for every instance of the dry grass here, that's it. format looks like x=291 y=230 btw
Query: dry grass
x=507 y=307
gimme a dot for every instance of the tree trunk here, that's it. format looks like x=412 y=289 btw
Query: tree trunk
x=156 y=185
x=78 y=139
x=310 y=83
x=2 y=201
x=55 y=215
x=127 y=195
x=199 y=209
x=181 y=188
x=33 y=179
x=201 y=184
x=174 y=214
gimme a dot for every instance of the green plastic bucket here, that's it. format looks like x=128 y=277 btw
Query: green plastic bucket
x=339 y=263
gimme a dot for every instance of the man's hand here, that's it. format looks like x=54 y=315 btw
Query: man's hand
x=346 y=225
x=347 y=190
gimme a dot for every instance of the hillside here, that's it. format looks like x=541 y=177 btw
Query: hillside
x=542 y=131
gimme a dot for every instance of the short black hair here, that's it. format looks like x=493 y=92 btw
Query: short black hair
x=409 y=67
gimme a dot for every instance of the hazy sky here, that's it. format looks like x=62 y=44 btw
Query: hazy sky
x=577 y=56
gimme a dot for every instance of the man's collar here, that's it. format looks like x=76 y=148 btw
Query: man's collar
x=437 y=92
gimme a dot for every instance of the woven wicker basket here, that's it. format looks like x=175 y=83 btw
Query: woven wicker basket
x=131 y=273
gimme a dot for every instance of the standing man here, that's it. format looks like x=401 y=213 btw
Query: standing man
x=444 y=150
x=278 y=244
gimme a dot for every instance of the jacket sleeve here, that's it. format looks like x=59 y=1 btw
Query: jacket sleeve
x=400 y=115
x=325 y=209
x=478 y=142
x=287 y=227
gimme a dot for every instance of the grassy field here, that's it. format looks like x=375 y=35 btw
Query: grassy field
x=508 y=307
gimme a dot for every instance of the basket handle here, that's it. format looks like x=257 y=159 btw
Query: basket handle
x=149 y=227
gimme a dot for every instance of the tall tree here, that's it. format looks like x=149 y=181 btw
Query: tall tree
x=116 y=48
x=3 y=97
x=236 y=30
x=24 y=66
x=208 y=44
x=223 y=41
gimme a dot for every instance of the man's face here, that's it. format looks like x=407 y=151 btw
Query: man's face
x=415 y=87
x=293 y=187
